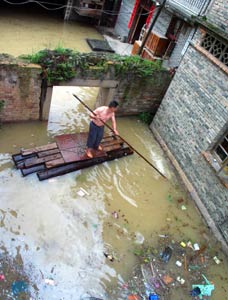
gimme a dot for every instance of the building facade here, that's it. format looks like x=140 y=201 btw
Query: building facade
x=192 y=121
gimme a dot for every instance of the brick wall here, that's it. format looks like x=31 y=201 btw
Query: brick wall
x=217 y=14
x=137 y=95
x=191 y=118
x=20 y=91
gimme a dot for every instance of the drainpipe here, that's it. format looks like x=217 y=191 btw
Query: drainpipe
x=151 y=27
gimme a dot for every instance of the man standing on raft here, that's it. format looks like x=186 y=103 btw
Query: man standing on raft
x=96 y=128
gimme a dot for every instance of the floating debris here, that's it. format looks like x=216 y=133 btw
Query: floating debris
x=49 y=281
x=115 y=215
x=18 y=287
x=166 y=254
x=2 y=277
x=109 y=256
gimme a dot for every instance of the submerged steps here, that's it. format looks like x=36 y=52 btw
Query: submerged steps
x=67 y=154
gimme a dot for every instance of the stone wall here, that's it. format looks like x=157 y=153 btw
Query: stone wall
x=217 y=14
x=137 y=94
x=192 y=117
x=20 y=88
x=20 y=91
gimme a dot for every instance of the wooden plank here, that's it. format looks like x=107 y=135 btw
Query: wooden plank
x=48 y=152
x=19 y=157
x=112 y=147
x=54 y=163
x=68 y=141
x=61 y=170
x=37 y=161
x=38 y=149
x=31 y=170
x=110 y=143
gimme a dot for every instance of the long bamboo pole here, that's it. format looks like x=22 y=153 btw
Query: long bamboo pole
x=105 y=124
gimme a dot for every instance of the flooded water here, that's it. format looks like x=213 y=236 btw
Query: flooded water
x=26 y=32
x=61 y=234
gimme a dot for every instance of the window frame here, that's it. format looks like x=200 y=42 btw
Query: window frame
x=215 y=161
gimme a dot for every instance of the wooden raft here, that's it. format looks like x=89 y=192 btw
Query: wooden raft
x=67 y=154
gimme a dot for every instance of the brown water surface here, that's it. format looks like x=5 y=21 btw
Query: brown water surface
x=61 y=234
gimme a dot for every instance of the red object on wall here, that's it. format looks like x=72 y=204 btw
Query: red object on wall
x=152 y=9
x=133 y=13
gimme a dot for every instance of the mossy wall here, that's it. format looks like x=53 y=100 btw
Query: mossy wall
x=139 y=85
x=19 y=90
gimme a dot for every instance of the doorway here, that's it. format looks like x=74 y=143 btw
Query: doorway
x=137 y=26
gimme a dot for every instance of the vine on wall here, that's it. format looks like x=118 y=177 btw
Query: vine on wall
x=63 y=64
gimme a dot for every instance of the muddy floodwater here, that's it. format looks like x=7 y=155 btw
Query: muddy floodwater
x=58 y=230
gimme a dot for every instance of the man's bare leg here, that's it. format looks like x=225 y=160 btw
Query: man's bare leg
x=89 y=152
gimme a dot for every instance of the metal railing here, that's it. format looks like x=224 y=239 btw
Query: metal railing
x=191 y=7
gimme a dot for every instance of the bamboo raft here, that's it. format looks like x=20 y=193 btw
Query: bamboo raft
x=67 y=154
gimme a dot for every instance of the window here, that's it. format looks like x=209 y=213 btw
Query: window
x=221 y=153
x=222 y=149
x=218 y=159
x=216 y=47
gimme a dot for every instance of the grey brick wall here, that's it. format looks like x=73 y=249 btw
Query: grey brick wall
x=193 y=114
x=217 y=14
x=121 y=28
x=162 y=22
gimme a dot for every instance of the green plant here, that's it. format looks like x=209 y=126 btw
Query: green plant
x=62 y=64
x=2 y=103
x=146 y=117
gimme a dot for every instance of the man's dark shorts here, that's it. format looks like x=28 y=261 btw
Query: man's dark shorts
x=95 y=135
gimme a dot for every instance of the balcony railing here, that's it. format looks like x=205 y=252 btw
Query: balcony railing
x=190 y=7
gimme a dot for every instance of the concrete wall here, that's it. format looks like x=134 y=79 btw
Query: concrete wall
x=20 y=91
x=191 y=118
x=217 y=14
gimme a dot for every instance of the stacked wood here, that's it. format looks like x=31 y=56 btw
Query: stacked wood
x=66 y=155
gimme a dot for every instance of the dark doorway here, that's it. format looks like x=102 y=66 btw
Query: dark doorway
x=137 y=25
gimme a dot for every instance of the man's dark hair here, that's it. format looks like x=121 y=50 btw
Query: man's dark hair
x=113 y=103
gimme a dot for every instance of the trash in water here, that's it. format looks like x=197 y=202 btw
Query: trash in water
x=181 y=280
x=139 y=238
x=183 y=244
x=169 y=198
x=153 y=297
x=189 y=244
x=2 y=277
x=166 y=254
x=19 y=286
x=163 y=236
x=178 y=263
x=196 y=247
x=133 y=297
x=215 y=258
x=205 y=290
x=49 y=281
x=195 y=292
x=180 y=200
x=115 y=215
x=81 y=192
x=167 y=279
x=109 y=256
